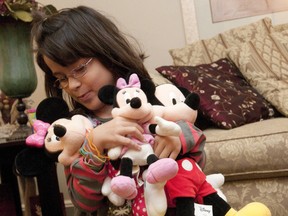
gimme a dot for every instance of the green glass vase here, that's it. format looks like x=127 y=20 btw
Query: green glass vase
x=17 y=72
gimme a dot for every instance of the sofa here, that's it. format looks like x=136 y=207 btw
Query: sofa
x=241 y=76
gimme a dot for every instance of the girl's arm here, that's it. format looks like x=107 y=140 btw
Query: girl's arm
x=86 y=174
x=84 y=185
x=117 y=132
x=190 y=142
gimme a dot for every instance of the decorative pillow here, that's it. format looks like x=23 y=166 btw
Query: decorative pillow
x=225 y=97
x=280 y=27
x=209 y=50
x=157 y=78
x=264 y=64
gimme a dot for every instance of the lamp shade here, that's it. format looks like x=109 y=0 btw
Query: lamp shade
x=17 y=72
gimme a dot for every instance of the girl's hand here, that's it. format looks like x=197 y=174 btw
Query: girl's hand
x=167 y=146
x=116 y=132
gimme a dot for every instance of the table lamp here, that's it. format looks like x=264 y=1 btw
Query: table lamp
x=17 y=72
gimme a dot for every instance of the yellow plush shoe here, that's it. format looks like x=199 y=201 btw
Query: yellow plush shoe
x=251 y=209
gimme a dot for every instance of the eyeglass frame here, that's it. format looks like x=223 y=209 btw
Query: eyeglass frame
x=73 y=73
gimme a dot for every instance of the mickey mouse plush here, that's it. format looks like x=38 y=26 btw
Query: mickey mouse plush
x=190 y=184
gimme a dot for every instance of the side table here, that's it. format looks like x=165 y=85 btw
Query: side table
x=49 y=193
x=8 y=152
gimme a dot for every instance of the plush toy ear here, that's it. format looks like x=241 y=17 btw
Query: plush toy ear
x=149 y=89
x=184 y=91
x=31 y=161
x=107 y=94
x=51 y=109
x=193 y=101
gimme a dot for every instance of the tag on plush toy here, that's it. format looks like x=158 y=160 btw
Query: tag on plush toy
x=203 y=210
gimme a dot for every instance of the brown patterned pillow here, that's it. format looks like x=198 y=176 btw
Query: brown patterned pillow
x=264 y=64
x=226 y=98
x=212 y=49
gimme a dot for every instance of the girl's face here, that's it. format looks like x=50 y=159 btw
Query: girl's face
x=84 y=89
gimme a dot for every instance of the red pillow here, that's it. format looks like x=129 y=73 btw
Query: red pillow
x=226 y=98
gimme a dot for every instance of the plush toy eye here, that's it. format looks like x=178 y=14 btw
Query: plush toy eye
x=127 y=97
x=172 y=97
x=136 y=93
x=54 y=138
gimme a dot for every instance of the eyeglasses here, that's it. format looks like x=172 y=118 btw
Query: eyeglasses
x=76 y=73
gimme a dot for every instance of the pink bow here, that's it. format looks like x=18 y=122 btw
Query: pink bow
x=40 y=131
x=133 y=82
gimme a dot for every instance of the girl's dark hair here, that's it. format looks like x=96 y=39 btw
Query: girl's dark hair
x=82 y=32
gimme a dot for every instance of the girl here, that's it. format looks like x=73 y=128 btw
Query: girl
x=80 y=50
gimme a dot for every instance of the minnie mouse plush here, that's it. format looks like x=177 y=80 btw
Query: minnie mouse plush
x=130 y=101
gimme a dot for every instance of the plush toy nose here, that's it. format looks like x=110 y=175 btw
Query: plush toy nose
x=135 y=103
x=59 y=130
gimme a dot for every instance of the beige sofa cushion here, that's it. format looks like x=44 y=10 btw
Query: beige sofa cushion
x=280 y=27
x=270 y=191
x=254 y=150
x=212 y=49
x=264 y=64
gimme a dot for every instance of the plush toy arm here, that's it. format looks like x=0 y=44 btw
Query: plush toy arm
x=217 y=180
x=114 y=153
x=166 y=128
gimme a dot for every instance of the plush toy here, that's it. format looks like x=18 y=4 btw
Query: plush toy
x=48 y=111
x=34 y=161
x=130 y=101
x=56 y=137
x=191 y=184
x=64 y=137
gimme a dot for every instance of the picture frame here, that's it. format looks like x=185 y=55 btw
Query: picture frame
x=223 y=10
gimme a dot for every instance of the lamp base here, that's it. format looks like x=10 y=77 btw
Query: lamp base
x=23 y=131
x=22 y=118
